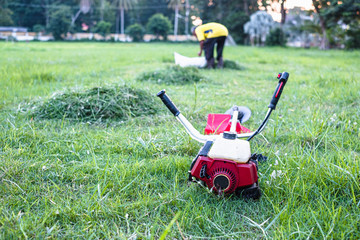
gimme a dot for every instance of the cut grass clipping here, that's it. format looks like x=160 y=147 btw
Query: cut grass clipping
x=97 y=105
x=229 y=64
x=173 y=75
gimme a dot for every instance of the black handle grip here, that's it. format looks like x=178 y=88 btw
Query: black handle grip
x=168 y=103
x=282 y=81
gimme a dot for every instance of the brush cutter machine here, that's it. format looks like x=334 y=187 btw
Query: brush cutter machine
x=225 y=163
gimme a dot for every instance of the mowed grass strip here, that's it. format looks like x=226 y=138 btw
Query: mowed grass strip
x=61 y=178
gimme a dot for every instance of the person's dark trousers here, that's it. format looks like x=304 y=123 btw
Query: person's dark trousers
x=209 y=45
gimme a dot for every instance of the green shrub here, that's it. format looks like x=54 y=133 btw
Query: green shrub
x=235 y=23
x=103 y=28
x=276 y=38
x=136 y=32
x=60 y=21
x=38 y=28
x=159 y=25
x=97 y=104
x=353 y=34
x=5 y=16
x=173 y=75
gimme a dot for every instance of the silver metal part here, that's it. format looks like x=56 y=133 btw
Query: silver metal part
x=245 y=112
x=234 y=121
x=194 y=134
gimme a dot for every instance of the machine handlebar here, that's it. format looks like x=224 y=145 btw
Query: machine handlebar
x=282 y=81
x=168 y=103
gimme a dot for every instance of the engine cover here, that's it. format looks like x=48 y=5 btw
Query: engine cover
x=224 y=176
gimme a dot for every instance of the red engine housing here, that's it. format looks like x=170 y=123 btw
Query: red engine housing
x=224 y=176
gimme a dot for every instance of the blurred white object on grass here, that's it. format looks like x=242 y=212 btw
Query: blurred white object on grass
x=183 y=61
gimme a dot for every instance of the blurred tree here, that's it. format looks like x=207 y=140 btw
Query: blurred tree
x=187 y=12
x=283 y=12
x=136 y=32
x=84 y=7
x=218 y=10
x=176 y=5
x=103 y=28
x=348 y=11
x=5 y=14
x=259 y=27
x=333 y=12
x=342 y=19
x=235 y=23
x=299 y=25
x=319 y=5
x=27 y=13
x=276 y=38
x=282 y=9
x=102 y=9
x=121 y=6
x=353 y=34
x=144 y=9
x=38 y=28
x=60 y=21
x=159 y=25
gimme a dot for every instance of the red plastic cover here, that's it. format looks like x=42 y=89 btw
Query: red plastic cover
x=218 y=123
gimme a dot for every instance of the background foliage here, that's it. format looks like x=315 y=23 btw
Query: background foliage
x=326 y=20
x=60 y=22
x=159 y=25
x=136 y=32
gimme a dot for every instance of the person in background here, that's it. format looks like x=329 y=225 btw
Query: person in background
x=208 y=34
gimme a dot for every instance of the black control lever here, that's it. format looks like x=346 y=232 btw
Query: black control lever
x=168 y=103
x=282 y=81
x=283 y=77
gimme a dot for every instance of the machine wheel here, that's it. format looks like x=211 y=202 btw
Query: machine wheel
x=252 y=192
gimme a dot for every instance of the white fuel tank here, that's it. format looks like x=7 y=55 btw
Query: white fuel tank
x=232 y=149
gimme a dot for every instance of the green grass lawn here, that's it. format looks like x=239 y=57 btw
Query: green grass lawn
x=127 y=179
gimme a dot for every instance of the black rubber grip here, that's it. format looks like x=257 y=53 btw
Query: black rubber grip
x=282 y=81
x=168 y=103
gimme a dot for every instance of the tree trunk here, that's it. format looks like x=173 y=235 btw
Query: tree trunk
x=73 y=19
x=102 y=10
x=176 y=21
x=254 y=5
x=117 y=20
x=324 y=40
x=246 y=7
x=221 y=10
x=47 y=14
x=283 y=13
x=122 y=20
x=187 y=12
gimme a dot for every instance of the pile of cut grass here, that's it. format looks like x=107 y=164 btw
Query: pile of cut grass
x=97 y=104
x=173 y=75
x=229 y=64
